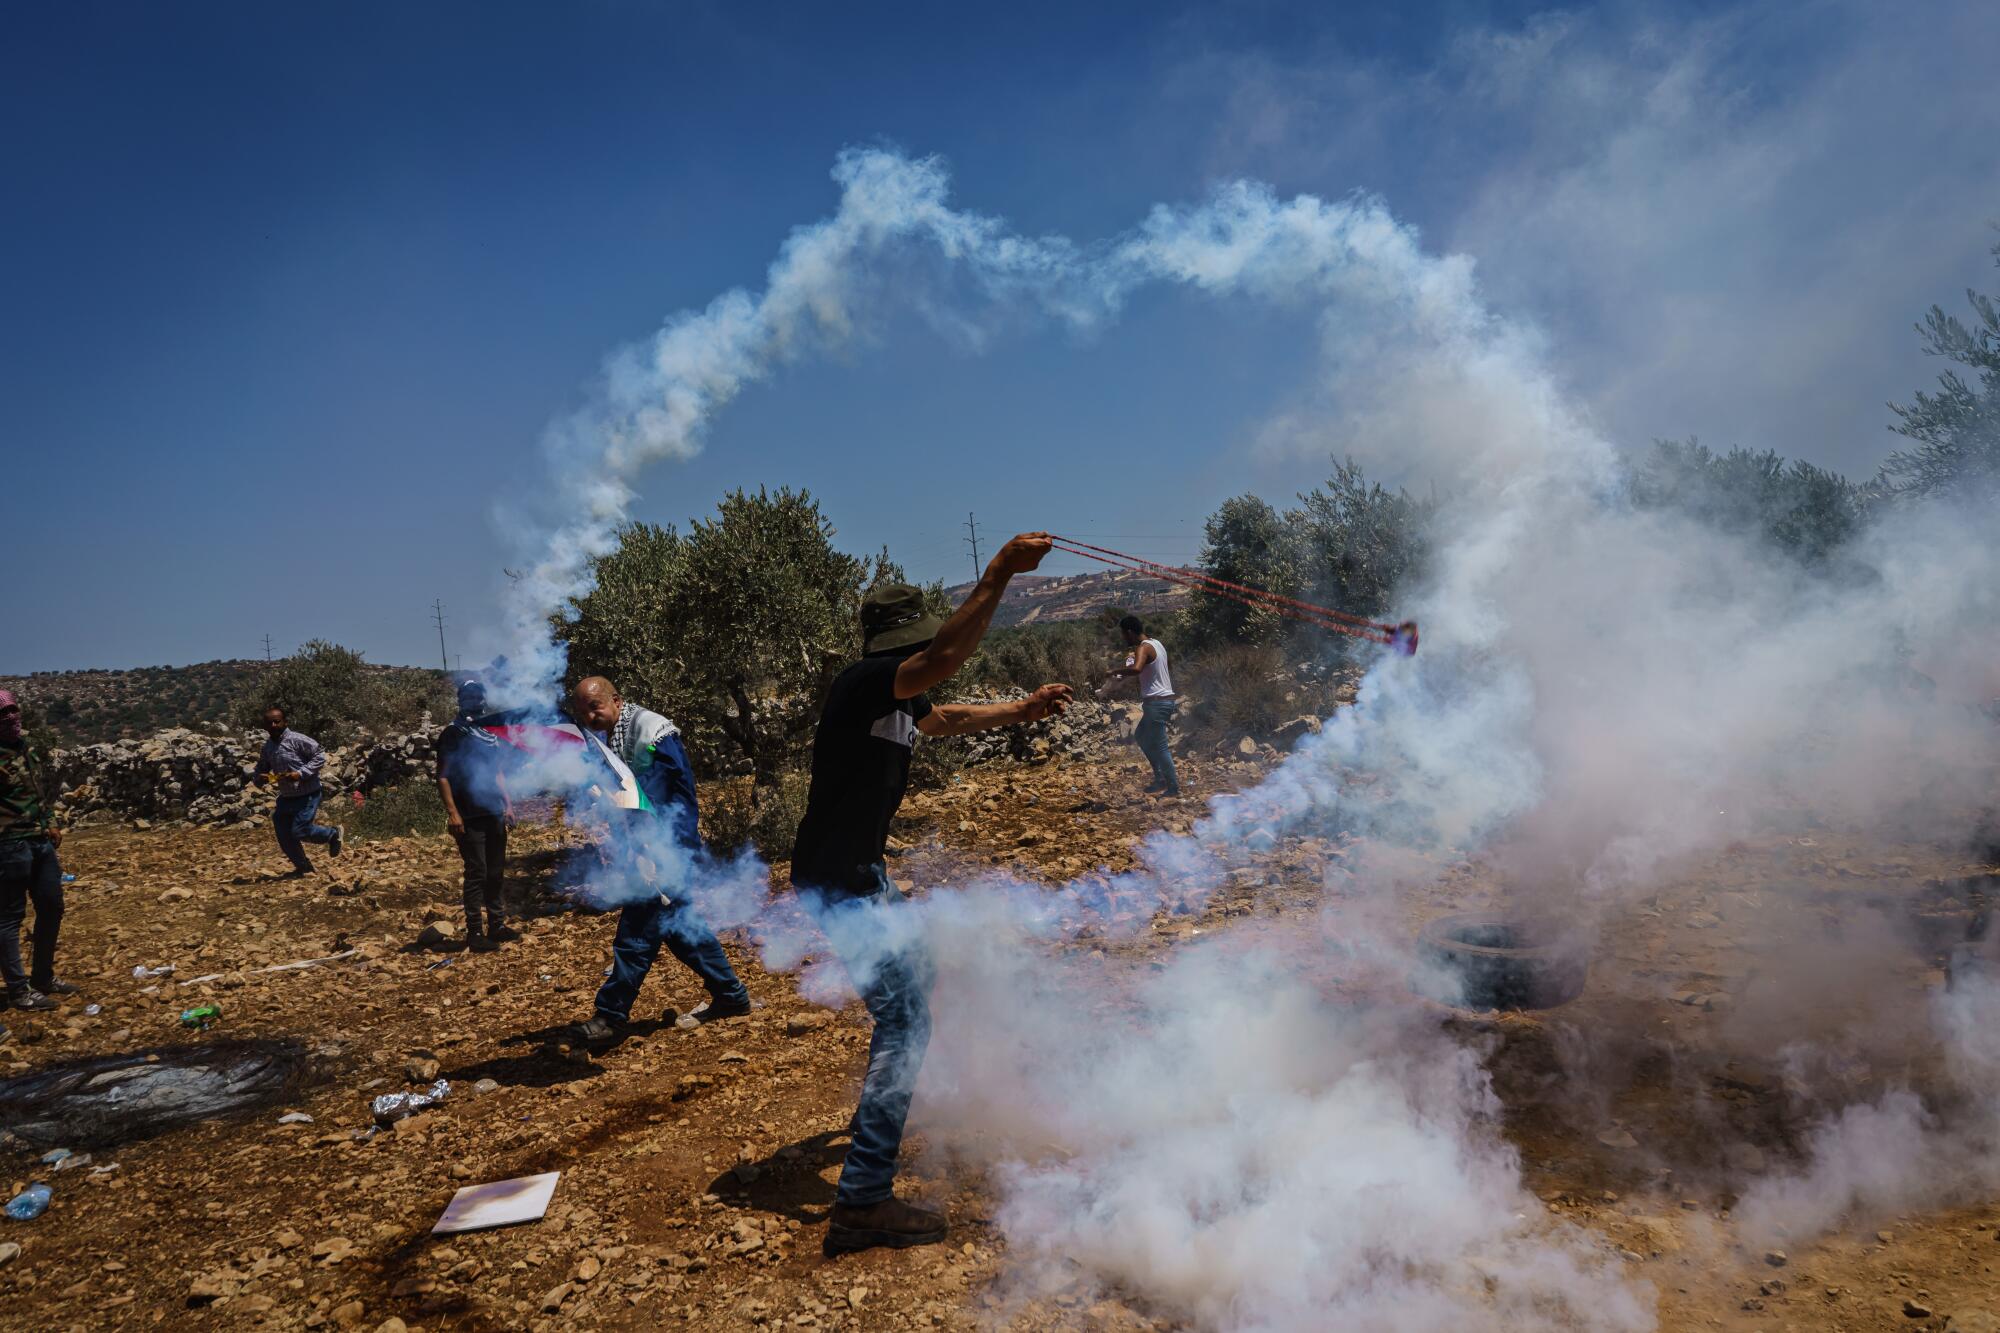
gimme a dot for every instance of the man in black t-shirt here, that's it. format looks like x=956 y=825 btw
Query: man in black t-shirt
x=861 y=764
x=477 y=811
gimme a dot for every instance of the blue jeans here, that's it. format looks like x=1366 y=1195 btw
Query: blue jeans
x=894 y=979
x=642 y=928
x=293 y=819
x=29 y=872
x=1152 y=738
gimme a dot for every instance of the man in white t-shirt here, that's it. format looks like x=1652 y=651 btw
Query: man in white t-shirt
x=1157 y=703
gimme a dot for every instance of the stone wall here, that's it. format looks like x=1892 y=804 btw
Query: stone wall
x=179 y=774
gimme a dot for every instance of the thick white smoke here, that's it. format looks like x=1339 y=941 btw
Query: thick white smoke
x=1601 y=695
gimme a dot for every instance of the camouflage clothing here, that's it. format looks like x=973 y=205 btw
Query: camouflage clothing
x=25 y=793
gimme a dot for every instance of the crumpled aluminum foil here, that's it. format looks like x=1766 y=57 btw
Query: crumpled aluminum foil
x=393 y=1106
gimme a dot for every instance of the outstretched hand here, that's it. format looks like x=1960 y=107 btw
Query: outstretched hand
x=1023 y=553
x=1049 y=699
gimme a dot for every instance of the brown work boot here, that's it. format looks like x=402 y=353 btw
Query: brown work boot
x=891 y=1223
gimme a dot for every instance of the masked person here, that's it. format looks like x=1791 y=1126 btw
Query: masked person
x=477 y=813
x=29 y=868
x=293 y=762
x=651 y=747
x=860 y=767
x=1157 y=703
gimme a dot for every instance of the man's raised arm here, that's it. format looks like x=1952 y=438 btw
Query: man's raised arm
x=958 y=638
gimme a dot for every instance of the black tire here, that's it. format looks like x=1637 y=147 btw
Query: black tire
x=1477 y=960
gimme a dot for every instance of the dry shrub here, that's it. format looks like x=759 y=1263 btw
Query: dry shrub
x=740 y=814
x=1237 y=690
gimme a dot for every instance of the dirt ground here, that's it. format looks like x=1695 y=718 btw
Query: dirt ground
x=697 y=1167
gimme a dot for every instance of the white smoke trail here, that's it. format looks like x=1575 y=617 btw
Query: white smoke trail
x=1601 y=694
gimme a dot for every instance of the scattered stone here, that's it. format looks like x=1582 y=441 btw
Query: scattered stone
x=214 y=1286
x=295 y=1118
x=586 y=1268
x=332 y=1250
x=392 y=1325
x=1916 y=1309
x=1745 y=1159
x=552 y=1300
x=349 y=1315
x=1247 y=747
x=9 y=1252
x=420 y=1069
x=486 y=1085
x=1617 y=1138
x=176 y=895
x=1289 y=733
x=798 y=1025
x=1775 y=1258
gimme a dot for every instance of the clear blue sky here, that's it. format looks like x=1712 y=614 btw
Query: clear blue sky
x=291 y=290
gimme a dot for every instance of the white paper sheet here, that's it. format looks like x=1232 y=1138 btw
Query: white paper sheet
x=498 y=1203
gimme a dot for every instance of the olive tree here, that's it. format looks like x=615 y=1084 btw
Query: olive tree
x=734 y=628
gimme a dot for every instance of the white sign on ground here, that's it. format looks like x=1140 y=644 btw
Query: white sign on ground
x=498 y=1203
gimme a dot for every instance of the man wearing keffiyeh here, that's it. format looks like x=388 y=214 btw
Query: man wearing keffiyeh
x=651 y=747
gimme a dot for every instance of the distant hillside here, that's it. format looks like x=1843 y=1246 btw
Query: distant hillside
x=68 y=708
x=1041 y=599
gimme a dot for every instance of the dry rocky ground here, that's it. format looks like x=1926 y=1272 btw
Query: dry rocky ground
x=697 y=1166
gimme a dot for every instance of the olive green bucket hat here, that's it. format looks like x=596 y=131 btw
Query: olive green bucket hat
x=893 y=616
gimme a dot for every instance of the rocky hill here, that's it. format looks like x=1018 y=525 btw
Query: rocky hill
x=72 y=708
x=1041 y=599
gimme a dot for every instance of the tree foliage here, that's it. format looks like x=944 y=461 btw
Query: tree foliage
x=1245 y=541
x=1806 y=511
x=1956 y=429
x=1351 y=545
x=735 y=628
x=1362 y=543
x=331 y=694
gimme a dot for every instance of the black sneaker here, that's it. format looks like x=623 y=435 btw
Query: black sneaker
x=712 y=1011
x=55 y=986
x=598 y=1028
x=333 y=844
x=503 y=934
x=31 y=999
x=482 y=944
x=890 y=1223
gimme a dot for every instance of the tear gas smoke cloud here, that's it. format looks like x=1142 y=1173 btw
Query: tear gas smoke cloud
x=1602 y=694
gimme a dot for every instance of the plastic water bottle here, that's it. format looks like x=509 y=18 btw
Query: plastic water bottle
x=30 y=1203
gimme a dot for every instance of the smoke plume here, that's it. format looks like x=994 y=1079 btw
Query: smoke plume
x=1603 y=694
